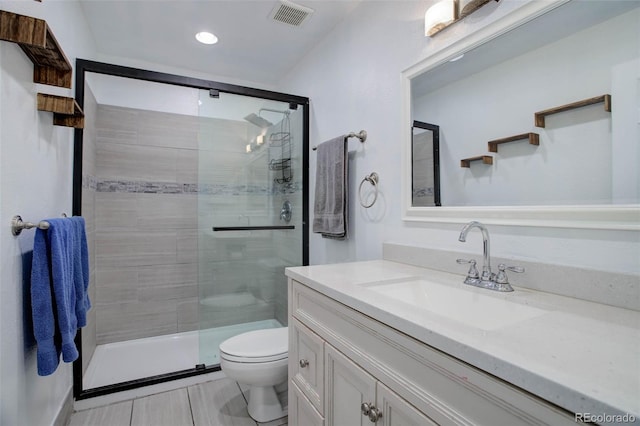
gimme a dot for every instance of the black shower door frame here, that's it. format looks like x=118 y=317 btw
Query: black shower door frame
x=84 y=66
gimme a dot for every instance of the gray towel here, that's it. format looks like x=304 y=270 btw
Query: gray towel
x=330 y=208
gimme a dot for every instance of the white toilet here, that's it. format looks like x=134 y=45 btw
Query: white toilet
x=259 y=359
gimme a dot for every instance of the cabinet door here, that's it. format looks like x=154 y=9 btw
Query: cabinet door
x=347 y=387
x=306 y=363
x=395 y=411
x=301 y=411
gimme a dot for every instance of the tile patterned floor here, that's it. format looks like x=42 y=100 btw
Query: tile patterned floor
x=217 y=403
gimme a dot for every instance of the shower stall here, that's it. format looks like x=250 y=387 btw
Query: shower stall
x=195 y=198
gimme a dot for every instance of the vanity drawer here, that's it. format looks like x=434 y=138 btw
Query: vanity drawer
x=306 y=363
x=447 y=390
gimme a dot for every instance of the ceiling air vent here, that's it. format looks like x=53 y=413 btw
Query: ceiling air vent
x=290 y=13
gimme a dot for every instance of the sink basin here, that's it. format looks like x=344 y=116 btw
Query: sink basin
x=464 y=306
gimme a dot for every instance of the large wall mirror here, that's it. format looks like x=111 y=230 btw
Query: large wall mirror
x=537 y=120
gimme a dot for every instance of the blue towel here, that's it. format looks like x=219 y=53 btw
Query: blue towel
x=43 y=311
x=59 y=283
x=81 y=270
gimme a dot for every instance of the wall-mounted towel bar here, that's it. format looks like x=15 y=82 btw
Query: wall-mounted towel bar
x=362 y=135
x=17 y=224
x=252 y=228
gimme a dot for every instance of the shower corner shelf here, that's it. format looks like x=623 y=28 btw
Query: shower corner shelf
x=35 y=38
x=534 y=139
x=281 y=164
x=466 y=162
x=540 y=115
x=282 y=140
x=66 y=111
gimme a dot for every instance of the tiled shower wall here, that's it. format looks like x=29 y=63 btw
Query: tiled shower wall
x=147 y=212
x=146 y=271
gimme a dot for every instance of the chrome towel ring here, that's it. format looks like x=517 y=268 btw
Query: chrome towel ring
x=373 y=180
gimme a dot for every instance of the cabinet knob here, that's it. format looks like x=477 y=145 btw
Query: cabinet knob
x=303 y=363
x=374 y=414
x=365 y=408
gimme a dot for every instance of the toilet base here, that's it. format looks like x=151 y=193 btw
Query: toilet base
x=264 y=404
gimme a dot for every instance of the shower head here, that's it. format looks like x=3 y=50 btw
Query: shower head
x=258 y=121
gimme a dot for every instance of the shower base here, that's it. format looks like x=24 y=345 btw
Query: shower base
x=151 y=356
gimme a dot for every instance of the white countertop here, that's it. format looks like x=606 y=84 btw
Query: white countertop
x=579 y=355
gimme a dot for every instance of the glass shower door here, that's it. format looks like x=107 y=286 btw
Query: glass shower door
x=250 y=203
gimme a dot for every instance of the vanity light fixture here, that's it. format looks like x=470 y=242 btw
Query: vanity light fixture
x=439 y=16
x=259 y=140
x=446 y=12
x=205 y=37
x=248 y=148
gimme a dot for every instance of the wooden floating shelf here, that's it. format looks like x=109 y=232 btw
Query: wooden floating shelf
x=66 y=111
x=50 y=65
x=534 y=139
x=540 y=116
x=466 y=162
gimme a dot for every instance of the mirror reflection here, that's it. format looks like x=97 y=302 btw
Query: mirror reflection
x=425 y=163
x=584 y=155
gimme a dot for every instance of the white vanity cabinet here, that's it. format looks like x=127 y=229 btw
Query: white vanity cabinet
x=348 y=388
x=354 y=397
x=307 y=350
x=301 y=411
x=340 y=359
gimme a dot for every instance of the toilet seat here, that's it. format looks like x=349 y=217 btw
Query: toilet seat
x=257 y=346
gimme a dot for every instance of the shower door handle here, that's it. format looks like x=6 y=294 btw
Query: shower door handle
x=252 y=228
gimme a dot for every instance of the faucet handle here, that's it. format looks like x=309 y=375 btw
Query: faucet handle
x=501 y=278
x=473 y=271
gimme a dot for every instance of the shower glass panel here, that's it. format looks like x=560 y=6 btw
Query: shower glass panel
x=250 y=204
x=140 y=170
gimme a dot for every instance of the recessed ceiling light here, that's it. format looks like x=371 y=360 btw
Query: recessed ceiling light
x=457 y=58
x=206 y=38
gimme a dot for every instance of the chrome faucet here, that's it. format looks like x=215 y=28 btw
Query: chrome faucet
x=487 y=279
x=487 y=275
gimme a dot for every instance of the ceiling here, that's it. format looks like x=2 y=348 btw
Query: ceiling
x=252 y=46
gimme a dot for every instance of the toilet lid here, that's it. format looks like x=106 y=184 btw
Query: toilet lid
x=257 y=346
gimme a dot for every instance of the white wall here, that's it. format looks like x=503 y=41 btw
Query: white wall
x=174 y=69
x=35 y=182
x=353 y=80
